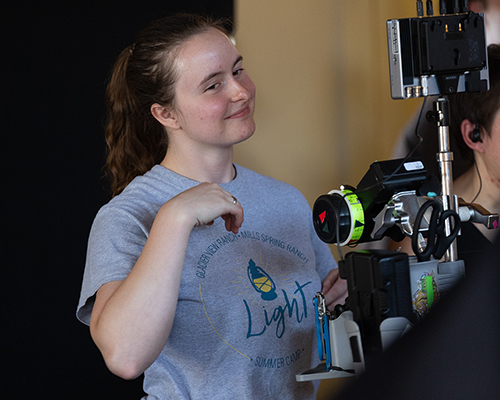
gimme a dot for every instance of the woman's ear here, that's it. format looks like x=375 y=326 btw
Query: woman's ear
x=472 y=135
x=165 y=116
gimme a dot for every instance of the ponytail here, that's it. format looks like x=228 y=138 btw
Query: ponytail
x=144 y=74
x=136 y=141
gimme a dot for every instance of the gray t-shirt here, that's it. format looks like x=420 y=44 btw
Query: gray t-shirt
x=244 y=324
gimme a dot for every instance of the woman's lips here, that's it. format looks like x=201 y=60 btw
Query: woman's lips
x=241 y=113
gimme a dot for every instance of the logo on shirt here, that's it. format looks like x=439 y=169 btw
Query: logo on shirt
x=261 y=282
x=271 y=295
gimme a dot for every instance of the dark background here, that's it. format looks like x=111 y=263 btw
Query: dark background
x=55 y=58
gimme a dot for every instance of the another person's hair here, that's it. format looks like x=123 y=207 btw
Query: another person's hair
x=145 y=74
x=479 y=108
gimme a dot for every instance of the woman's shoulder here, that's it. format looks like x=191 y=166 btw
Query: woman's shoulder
x=145 y=194
x=158 y=184
x=264 y=191
x=266 y=181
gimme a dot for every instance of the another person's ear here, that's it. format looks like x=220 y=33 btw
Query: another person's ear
x=472 y=135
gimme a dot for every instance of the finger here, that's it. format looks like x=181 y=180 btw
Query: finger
x=233 y=222
x=229 y=222
x=330 y=279
x=234 y=219
x=335 y=297
x=232 y=199
x=336 y=294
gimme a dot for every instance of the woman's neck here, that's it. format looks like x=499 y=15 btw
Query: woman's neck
x=216 y=168
x=479 y=186
x=468 y=185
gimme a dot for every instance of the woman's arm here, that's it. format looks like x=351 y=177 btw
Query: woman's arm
x=131 y=319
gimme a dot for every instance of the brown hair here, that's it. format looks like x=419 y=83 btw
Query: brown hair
x=144 y=74
x=478 y=108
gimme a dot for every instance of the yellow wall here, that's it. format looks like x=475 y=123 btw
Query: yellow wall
x=324 y=111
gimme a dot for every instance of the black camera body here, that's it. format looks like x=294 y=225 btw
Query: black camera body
x=348 y=216
x=438 y=55
x=379 y=288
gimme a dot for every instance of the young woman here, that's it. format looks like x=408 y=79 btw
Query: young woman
x=175 y=285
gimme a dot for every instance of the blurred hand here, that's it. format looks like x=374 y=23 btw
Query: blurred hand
x=334 y=289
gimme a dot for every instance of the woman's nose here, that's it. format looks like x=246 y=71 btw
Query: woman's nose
x=241 y=90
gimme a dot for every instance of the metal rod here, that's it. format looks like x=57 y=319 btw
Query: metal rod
x=445 y=159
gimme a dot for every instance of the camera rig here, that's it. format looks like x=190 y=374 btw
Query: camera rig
x=389 y=291
x=438 y=55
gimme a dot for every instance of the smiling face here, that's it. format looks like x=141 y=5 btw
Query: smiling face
x=214 y=96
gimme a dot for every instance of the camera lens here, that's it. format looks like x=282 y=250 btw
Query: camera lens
x=330 y=212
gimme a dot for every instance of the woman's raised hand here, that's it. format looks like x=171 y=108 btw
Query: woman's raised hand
x=204 y=203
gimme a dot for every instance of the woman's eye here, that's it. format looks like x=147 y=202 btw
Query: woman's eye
x=213 y=87
x=238 y=71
